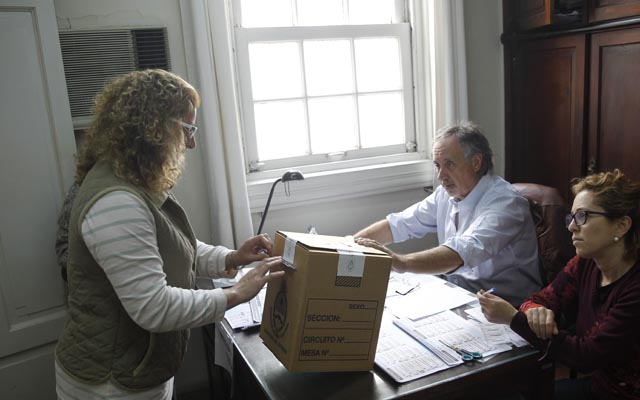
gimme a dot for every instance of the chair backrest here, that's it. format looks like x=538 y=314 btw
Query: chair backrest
x=548 y=210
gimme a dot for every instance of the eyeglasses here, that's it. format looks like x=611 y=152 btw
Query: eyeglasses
x=580 y=217
x=189 y=130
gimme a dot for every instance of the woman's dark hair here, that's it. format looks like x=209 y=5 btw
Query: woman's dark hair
x=619 y=196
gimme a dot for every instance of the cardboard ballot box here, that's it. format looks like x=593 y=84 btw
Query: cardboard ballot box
x=325 y=313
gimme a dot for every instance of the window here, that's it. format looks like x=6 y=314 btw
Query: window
x=325 y=84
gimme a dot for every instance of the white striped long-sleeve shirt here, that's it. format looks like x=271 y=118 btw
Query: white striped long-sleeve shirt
x=120 y=233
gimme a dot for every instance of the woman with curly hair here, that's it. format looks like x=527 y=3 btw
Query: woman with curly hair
x=598 y=293
x=133 y=256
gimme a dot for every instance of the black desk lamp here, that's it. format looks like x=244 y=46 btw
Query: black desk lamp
x=291 y=175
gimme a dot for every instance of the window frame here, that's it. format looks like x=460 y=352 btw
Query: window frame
x=245 y=36
x=353 y=178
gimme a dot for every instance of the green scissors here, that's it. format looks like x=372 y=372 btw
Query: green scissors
x=467 y=356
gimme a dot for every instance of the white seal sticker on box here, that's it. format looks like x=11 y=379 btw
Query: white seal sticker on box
x=289 y=252
x=351 y=263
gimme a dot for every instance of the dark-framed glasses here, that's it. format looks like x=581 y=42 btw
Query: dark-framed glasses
x=580 y=217
x=189 y=130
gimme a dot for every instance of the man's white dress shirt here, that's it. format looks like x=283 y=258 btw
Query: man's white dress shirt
x=495 y=236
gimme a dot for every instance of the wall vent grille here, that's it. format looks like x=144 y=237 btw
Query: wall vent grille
x=93 y=57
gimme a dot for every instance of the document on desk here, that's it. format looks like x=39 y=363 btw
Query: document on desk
x=401 y=356
x=447 y=327
x=409 y=350
x=495 y=333
x=247 y=314
x=409 y=290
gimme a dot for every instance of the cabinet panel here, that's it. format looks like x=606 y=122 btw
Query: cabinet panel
x=615 y=99
x=602 y=10
x=545 y=138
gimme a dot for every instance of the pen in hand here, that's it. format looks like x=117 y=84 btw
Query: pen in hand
x=490 y=291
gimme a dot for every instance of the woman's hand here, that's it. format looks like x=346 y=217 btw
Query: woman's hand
x=254 y=280
x=542 y=322
x=496 y=309
x=255 y=248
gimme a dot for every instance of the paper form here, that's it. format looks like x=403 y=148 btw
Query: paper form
x=403 y=358
x=247 y=314
x=419 y=303
x=446 y=354
x=454 y=330
x=404 y=344
x=495 y=333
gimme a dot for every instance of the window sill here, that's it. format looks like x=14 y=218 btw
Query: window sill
x=318 y=187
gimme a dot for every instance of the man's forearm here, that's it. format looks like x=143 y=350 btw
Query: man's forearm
x=378 y=231
x=438 y=260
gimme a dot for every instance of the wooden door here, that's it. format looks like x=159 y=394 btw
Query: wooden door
x=36 y=166
x=614 y=107
x=545 y=134
x=602 y=10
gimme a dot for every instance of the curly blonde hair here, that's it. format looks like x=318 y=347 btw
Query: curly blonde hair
x=619 y=196
x=136 y=129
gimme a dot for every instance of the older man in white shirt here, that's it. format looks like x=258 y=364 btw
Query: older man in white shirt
x=485 y=230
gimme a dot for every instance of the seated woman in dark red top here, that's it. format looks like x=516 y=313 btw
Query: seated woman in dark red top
x=598 y=292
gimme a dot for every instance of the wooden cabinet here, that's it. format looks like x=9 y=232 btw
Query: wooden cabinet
x=602 y=10
x=614 y=103
x=532 y=13
x=547 y=95
x=523 y=15
x=572 y=101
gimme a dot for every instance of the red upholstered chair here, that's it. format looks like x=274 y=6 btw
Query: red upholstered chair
x=548 y=210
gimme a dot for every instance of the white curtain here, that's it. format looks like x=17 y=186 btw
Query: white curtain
x=450 y=62
x=439 y=65
x=208 y=55
x=440 y=35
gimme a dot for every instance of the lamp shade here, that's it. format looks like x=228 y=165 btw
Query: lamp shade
x=291 y=175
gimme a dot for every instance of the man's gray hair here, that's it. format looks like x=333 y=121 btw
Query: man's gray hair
x=472 y=141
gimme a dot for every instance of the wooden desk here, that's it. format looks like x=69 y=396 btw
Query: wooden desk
x=259 y=375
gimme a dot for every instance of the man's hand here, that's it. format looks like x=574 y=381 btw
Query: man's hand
x=398 y=262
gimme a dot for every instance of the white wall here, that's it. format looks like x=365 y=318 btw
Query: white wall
x=485 y=81
x=343 y=217
x=93 y=14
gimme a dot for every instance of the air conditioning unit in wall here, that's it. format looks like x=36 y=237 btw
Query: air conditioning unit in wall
x=93 y=57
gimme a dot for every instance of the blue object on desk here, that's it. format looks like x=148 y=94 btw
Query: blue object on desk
x=473 y=354
x=467 y=356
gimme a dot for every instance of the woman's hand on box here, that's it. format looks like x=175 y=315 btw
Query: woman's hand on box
x=254 y=249
x=254 y=280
